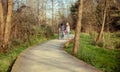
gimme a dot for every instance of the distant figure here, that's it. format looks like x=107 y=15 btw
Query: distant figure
x=67 y=30
x=61 y=31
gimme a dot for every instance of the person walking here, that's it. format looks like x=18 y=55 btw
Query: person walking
x=61 y=31
x=67 y=30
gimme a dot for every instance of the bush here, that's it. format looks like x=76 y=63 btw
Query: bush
x=108 y=40
x=116 y=40
x=117 y=34
x=117 y=44
x=46 y=30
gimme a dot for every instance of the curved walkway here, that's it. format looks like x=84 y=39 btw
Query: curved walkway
x=49 y=57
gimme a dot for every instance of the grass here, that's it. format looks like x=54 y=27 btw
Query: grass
x=104 y=59
x=72 y=32
x=7 y=59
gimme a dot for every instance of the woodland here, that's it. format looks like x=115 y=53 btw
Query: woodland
x=95 y=24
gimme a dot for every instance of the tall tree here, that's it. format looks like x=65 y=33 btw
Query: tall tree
x=43 y=11
x=5 y=24
x=38 y=6
x=1 y=23
x=78 y=27
x=103 y=22
x=52 y=11
x=88 y=18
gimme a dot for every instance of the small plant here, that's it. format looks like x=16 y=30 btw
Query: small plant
x=101 y=44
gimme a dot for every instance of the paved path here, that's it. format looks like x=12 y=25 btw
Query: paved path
x=49 y=57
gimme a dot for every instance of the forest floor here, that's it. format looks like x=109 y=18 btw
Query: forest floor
x=50 y=57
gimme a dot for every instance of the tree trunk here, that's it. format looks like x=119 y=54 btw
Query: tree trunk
x=53 y=16
x=52 y=12
x=6 y=26
x=78 y=28
x=1 y=24
x=43 y=13
x=103 y=23
x=38 y=6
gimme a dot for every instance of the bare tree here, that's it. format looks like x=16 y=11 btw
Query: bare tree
x=43 y=13
x=103 y=22
x=52 y=11
x=78 y=28
x=38 y=6
x=1 y=22
x=5 y=24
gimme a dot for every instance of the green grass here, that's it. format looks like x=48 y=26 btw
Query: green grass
x=7 y=59
x=104 y=59
x=72 y=32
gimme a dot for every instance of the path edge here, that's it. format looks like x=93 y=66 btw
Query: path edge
x=79 y=61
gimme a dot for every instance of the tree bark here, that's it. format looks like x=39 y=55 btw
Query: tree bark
x=1 y=18
x=43 y=13
x=6 y=25
x=78 y=28
x=1 y=24
x=52 y=12
x=103 y=23
x=38 y=6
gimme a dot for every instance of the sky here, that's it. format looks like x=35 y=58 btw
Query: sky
x=58 y=4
